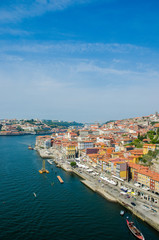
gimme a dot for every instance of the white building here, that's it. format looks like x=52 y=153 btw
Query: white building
x=85 y=145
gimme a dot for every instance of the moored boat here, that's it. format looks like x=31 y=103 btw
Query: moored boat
x=60 y=179
x=134 y=230
x=50 y=161
x=122 y=212
x=30 y=148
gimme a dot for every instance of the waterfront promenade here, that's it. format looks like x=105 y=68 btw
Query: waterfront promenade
x=143 y=209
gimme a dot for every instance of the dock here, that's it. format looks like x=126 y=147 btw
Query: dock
x=43 y=170
x=60 y=179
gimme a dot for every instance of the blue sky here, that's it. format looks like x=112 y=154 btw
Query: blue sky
x=83 y=60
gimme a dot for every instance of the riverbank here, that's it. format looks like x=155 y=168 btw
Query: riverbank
x=98 y=190
x=94 y=187
x=111 y=193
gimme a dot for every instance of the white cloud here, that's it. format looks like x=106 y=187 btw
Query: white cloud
x=14 y=32
x=35 y=8
x=73 y=47
x=81 y=91
x=82 y=87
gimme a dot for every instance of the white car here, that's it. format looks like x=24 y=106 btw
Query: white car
x=137 y=184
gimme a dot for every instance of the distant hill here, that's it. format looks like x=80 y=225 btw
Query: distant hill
x=109 y=121
x=61 y=124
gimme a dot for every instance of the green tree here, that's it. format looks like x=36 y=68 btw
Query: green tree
x=147 y=158
x=141 y=137
x=19 y=129
x=137 y=143
x=151 y=134
x=73 y=164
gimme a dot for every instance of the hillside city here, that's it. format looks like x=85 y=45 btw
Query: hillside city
x=127 y=149
x=118 y=159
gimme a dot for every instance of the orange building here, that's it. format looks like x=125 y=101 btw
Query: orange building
x=144 y=176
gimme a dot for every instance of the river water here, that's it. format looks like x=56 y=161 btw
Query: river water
x=68 y=211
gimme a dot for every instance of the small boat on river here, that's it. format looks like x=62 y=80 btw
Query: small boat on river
x=34 y=194
x=60 y=179
x=134 y=230
x=122 y=212
x=30 y=147
x=50 y=161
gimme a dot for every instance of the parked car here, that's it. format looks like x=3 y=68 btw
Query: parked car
x=132 y=203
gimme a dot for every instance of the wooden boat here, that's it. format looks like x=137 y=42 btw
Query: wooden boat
x=30 y=148
x=134 y=230
x=60 y=179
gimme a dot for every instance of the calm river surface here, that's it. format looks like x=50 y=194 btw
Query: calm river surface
x=60 y=211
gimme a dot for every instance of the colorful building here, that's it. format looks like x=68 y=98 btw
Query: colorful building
x=70 y=151
x=85 y=145
x=148 y=147
x=144 y=176
x=122 y=170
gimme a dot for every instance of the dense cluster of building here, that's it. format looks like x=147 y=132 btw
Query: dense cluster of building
x=108 y=147
x=22 y=127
